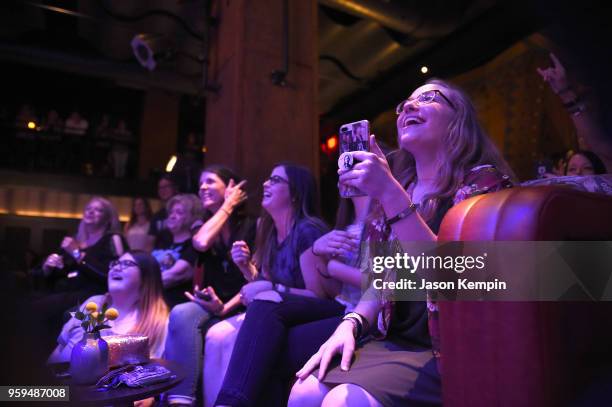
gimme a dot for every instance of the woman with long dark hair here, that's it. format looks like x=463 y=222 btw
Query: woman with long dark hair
x=281 y=263
x=136 y=230
x=584 y=162
x=226 y=222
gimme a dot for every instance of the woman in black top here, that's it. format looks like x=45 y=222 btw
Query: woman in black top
x=177 y=258
x=81 y=265
x=79 y=269
x=224 y=201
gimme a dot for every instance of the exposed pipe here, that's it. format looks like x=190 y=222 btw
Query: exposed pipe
x=97 y=67
x=210 y=21
x=401 y=19
x=152 y=13
x=341 y=67
x=278 y=76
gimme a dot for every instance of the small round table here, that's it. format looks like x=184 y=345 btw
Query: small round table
x=88 y=395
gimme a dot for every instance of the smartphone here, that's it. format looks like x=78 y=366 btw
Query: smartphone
x=205 y=297
x=353 y=137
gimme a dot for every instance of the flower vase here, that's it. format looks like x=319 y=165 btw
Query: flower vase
x=89 y=359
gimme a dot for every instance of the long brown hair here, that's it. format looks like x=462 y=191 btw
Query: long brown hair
x=466 y=146
x=152 y=309
x=305 y=205
x=226 y=174
x=134 y=217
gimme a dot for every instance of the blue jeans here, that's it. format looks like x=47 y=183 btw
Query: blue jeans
x=275 y=340
x=188 y=323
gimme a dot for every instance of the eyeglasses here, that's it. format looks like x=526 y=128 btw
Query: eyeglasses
x=275 y=179
x=424 y=98
x=122 y=264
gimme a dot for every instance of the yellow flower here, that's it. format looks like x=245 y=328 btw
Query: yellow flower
x=111 y=314
x=94 y=315
x=91 y=306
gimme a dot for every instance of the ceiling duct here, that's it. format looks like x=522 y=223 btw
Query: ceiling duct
x=418 y=19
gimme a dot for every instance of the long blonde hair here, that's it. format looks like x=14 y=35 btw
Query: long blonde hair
x=110 y=218
x=466 y=146
x=152 y=309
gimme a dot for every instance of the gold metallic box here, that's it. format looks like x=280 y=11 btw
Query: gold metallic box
x=127 y=349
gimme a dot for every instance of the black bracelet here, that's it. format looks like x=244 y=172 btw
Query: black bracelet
x=403 y=214
x=365 y=323
x=356 y=324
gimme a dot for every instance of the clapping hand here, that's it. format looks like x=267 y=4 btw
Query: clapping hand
x=53 y=261
x=69 y=244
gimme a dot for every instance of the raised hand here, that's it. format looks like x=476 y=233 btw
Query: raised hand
x=234 y=194
x=69 y=244
x=555 y=75
x=241 y=254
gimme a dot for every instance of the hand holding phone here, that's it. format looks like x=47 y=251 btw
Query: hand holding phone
x=202 y=294
x=353 y=137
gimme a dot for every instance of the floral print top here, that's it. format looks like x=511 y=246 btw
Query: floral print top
x=416 y=323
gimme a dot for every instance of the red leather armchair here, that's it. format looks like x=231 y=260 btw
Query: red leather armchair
x=528 y=353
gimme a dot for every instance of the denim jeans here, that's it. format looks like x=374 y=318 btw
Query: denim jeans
x=258 y=351
x=184 y=344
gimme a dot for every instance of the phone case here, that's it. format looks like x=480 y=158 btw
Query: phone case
x=353 y=137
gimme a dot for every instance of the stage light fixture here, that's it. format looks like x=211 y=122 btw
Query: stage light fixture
x=332 y=143
x=146 y=47
x=171 y=163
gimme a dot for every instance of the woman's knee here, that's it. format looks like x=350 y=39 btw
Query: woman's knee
x=308 y=392
x=259 y=308
x=345 y=395
x=186 y=314
x=219 y=334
